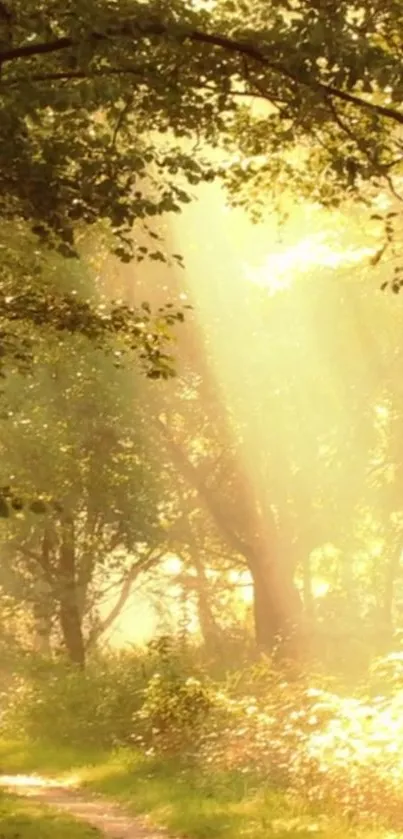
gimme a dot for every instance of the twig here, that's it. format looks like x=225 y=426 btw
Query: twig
x=119 y=122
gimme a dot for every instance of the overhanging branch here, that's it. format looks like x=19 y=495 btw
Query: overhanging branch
x=135 y=29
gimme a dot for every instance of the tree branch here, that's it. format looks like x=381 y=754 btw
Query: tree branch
x=74 y=75
x=37 y=49
x=139 y=29
x=38 y=559
x=205 y=494
x=125 y=591
x=121 y=118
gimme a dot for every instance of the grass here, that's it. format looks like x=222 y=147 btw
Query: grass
x=184 y=799
x=21 y=819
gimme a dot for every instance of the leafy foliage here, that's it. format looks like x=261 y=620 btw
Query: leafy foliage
x=176 y=704
x=85 y=99
x=41 y=294
x=51 y=311
x=95 y=710
x=77 y=444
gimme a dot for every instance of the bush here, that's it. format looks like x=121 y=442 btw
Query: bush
x=101 y=707
x=174 y=715
x=57 y=703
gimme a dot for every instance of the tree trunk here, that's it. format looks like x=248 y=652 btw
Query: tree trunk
x=42 y=615
x=208 y=625
x=277 y=609
x=385 y=631
x=309 y=603
x=43 y=605
x=277 y=601
x=70 y=619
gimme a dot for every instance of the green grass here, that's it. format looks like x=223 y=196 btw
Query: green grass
x=21 y=819
x=184 y=799
x=20 y=756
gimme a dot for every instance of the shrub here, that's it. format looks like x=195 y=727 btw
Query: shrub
x=175 y=712
x=56 y=702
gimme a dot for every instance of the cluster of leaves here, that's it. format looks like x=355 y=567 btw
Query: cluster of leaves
x=80 y=104
x=392 y=246
x=330 y=76
x=130 y=698
x=118 y=330
x=176 y=709
x=141 y=330
x=10 y=501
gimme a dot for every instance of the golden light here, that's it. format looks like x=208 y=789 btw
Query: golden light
x=382 y=413
x=320 y=588
x=172 y=565
x=242 y=582
x=36 y=782
x=234 y=267
x=281 y=267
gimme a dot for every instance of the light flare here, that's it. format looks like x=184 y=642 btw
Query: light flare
x=281 y=268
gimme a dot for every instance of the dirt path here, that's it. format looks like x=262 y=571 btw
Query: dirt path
x=96 y=811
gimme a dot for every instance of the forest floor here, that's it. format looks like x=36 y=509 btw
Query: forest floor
x=125 y=795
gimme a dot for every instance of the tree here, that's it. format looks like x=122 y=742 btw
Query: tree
x=78 y=442
x=73 y=438
x=48 y=301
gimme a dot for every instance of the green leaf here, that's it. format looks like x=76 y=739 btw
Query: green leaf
x=38 y=507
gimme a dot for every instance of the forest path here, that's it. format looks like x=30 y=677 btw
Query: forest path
x=111 y=819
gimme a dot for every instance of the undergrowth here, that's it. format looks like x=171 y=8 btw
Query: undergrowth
x=158 y=730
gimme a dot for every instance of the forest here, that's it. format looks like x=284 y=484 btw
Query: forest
x=201 y=414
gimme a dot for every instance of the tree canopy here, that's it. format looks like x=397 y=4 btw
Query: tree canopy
x=112 y=111
x=97 y=96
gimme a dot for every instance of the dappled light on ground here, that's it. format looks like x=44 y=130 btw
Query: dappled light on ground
x=36 y=782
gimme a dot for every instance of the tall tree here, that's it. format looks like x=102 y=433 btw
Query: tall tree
x=73 y=439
